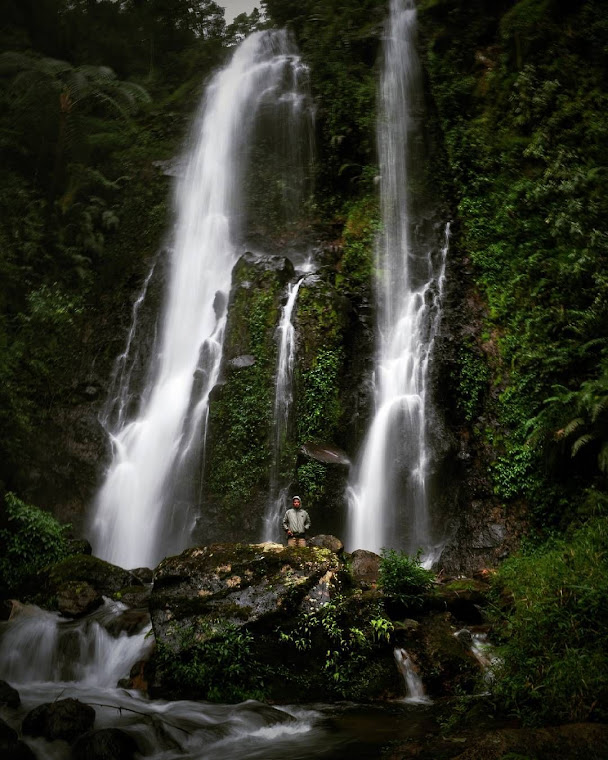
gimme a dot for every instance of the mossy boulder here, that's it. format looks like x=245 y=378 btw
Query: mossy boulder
x=283 y=622
x=80 y=576
x=464 y=598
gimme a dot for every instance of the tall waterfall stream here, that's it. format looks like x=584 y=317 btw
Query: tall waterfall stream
x=137 y=517
x=388 y=491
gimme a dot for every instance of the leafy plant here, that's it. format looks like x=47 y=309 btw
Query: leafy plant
x=31 y=540
x=403 y=578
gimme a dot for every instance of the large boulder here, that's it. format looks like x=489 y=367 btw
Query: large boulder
x=65 y=719
x=207 y=590
x=327 y=542
x=78 y=583
x=365 y=568
x=283 y=622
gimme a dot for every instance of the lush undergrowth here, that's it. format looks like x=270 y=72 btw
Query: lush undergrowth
x=552 y=619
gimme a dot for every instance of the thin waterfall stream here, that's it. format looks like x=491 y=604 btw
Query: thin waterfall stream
x=138 y=518
x=281 y=413
x=388 y=493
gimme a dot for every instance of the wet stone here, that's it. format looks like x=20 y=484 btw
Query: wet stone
x=9 y=697
x=65 y=719
x=105 y=744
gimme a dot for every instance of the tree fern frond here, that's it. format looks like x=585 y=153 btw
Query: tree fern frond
x=581 y=442
x=571 y=427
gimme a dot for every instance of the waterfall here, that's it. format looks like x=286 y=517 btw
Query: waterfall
x=282 y=405
x=413 y=683
x=143 y=510
x=388 y=490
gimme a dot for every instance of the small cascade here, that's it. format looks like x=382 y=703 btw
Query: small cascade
x=120 y=397
x=414 y=687
x=282 y=405
x=388 y=494
x=147 y=504
x=41 y=646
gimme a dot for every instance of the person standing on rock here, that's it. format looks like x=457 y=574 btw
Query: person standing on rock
x=296 y=522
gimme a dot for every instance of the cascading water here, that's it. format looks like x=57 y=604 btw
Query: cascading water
x=413 y=683
x=282 y=406
x=388 y=491
x=140 y=514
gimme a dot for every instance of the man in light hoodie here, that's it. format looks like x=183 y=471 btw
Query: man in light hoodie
x=296 y=522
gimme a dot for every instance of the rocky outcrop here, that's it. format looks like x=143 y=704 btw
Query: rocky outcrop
x=9 y=697
x=75 y=586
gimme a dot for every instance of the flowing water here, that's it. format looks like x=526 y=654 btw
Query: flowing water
x=414 y=688
x=146 y=506
x=388 y=493
x=277 y=501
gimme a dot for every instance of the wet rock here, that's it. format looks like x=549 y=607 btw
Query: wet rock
x=105 y=744
x=130 y=621
x=77 y=598
x=80 y=546
x=144 y=574
x=364 y=567
x=10 y=745
x=464 y=598
x=577 y=740
x=247 y=360
x=327 y=542
x=65 y=719
x=104 y=578
x=211 y=588
x=6 y=608
x=134 y=596
x=9 y=697
x=326 y=453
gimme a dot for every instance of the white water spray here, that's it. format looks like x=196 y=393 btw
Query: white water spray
x=388 y=491
x=138 y=517
x=282 y=405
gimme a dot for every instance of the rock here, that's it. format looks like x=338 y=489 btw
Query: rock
x=208 y=589
x=463 y=597
x=80 y=546
x=144 y=574
x=65 y=719
x=327 y=542
x=105 y=744
x=77 y=598
x=326 y=453
x=134 y=596
x=364 y=567
x=10 y=745
x=104 y=578
x=9 y=697
x=130 y=621
x=6 y=608
x=576 y=740
x=247 y=360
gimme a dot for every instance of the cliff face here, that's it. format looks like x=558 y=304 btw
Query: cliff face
x=514 y=90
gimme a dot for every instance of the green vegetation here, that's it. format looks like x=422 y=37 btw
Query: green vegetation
x=30 y=540
x=520 y=91
x=552 y=619
x=218 y=670
x=403 y=578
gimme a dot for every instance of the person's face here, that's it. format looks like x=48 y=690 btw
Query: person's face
x=296 y=503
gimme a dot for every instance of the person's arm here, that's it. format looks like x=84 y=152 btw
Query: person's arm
x=306 y=521
x=286 y=523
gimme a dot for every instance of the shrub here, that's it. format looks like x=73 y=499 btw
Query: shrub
x=31 y=540
x=554 y=629
x=403 y=578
